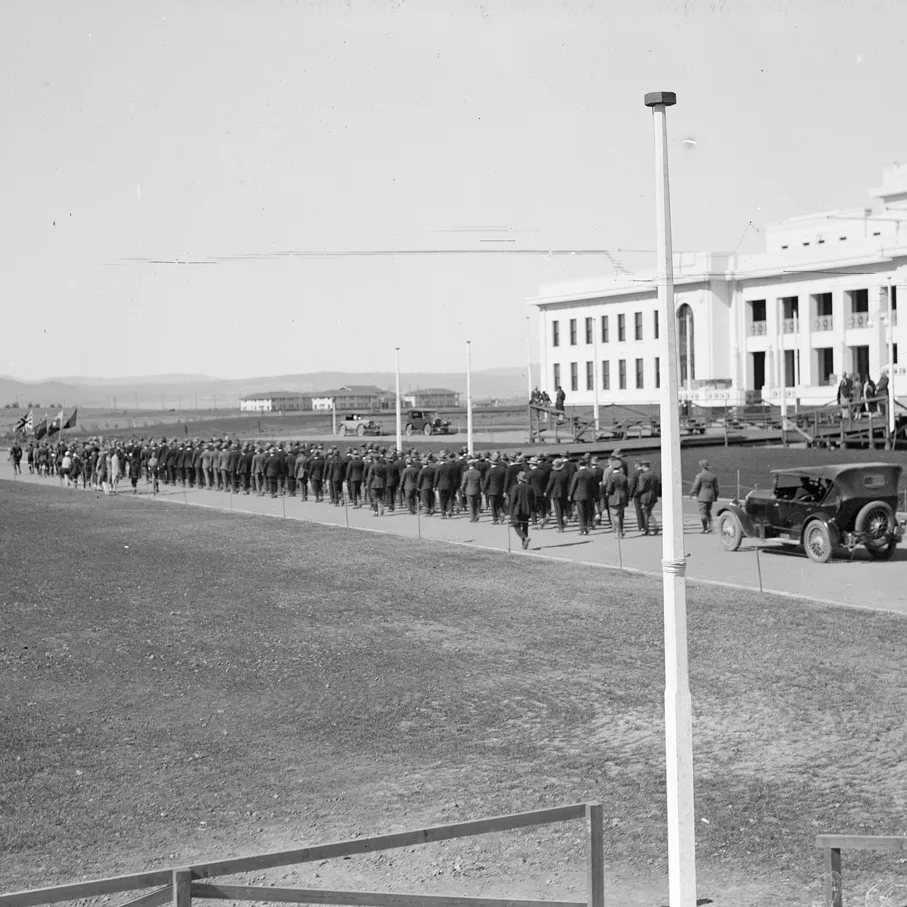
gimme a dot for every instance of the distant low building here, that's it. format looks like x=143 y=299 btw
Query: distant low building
x=351 y=397
x=432 y=398
x=274 y=401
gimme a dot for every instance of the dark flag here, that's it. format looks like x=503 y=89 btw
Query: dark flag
x=54 y=426
x=71 y=421
x=41 y=429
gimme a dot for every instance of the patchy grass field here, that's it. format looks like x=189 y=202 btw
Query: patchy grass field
x=181 y=683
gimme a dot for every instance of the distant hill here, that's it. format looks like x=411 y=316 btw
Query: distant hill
x=205 y=391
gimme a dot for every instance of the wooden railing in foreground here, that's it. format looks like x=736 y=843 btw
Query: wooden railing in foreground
x=180 y=885
x=834 y=844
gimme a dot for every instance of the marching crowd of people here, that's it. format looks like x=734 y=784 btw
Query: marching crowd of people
x=525 y=490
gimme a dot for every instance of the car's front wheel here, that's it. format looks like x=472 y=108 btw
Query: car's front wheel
x=408 y=430
x=817 y=542
x=730 y=532
x=427 y=430
x=361 y=431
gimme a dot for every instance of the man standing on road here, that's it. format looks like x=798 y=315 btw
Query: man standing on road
x=617 y=489
x=558 y=492
x=471 y=486
x=522 y=502
x=493 y=486
x=447 y=481
x=409 y=479
x=633 y=479
x=648 y=491
x=705 y=491
x=427 y=477
x=582 y=493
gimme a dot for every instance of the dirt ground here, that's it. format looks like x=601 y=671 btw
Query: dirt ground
x=184 y=684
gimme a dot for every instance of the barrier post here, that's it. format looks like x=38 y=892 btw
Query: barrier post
x=834 y=888
x=759 y=567
x=595 y=870
x=738 y=485
x=182 y=888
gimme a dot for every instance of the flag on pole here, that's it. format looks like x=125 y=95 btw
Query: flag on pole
x=72 y=420
x=41 y=429
x=55 y=425
x=26 y=423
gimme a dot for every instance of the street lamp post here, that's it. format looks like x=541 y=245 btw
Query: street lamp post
x=468 y=397
x=399 y=417
x=678 y=713
x=891 y=418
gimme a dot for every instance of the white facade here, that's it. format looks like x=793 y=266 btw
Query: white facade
x=813 y=305
x=255 y=405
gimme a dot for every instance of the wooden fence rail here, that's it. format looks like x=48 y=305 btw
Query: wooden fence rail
x=179 y=885
x=834 y=844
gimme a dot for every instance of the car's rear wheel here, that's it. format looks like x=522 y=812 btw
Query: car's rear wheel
x=882 y=552
x=730 y=532
x=427 y=430
x=409 y=429
x=817 y=542
x=876 y=523
x=361 y=431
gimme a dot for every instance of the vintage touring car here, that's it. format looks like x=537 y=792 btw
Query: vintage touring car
x=821 y=508
x=358 y=425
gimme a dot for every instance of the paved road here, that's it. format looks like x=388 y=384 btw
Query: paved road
x=859 y=582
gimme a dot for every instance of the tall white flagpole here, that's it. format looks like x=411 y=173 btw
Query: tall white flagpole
x=468 y=397
x=678 y=712
x=528 y=360
x=399 y=415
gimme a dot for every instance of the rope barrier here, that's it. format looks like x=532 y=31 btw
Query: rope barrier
x=674 y=568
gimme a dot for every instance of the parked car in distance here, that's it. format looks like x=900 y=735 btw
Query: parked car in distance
x=822 y=508
x=420 y=421
x=693 y=426
x=650 y=429
x=358 y=425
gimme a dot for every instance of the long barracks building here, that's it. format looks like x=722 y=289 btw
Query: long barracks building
x=750 y=327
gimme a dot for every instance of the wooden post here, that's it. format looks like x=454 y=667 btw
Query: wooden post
x=834 y=887
x=595 y=868
x=182 y=888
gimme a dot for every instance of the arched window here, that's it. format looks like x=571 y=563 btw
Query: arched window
x=686 y=346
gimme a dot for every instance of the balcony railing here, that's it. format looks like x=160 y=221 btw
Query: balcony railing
x=789 y=326
x=824 y=323
x=757 y=328
x=858 y=320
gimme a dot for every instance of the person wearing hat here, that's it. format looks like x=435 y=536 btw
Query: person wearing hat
x=557 y=491
x=493 y=485
x=633 y=478
x=705 y=492
x=377 y=479
x=471 y=487
x=409 y=482
x=426 y=485
x=538 y=480
x=522 y=503
x=355 y=472
x=618 y=490
x=583 y=493
x=447 y=481
x=648 y=491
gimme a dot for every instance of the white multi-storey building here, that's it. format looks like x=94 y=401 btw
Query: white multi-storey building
x=814 y=304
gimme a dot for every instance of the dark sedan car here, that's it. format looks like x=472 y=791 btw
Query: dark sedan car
x=822 y=508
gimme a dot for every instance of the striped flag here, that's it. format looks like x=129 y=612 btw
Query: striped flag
x=26 y=423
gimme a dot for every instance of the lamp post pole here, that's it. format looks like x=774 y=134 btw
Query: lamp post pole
x=468 y=396
x=891 y=418
x=399 y=418
x=678 y=713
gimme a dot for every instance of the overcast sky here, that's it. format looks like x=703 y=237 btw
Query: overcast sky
x=236 y=130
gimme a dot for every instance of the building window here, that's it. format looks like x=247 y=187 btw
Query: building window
x=604 y=328
x=637 y=326
x=590 y=376
x=622 y=374
x=621 y=328
x=574 y=377
x=686 y=347
x=655 y=324
x=657 y=369
x=639 y=374
x=859 y=308
x=824 y=308
x=757 y=316
x=588 y=330
x=606 y=375
x=790 y=314
x=825 y=363
x=572 y=332
x=557 y=377
x=555 y=333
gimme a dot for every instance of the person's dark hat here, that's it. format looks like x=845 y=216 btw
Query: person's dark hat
x=521 y=476
x=645 y=463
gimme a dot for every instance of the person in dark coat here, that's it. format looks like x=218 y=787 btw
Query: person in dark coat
x=648 y=491
x=522 y=502
x=538 y=480
x=409 y=481
x=633 y=479
x=355 y=471
x=558 y=493
x=376 y=483
x=427 y=479
x=493 y=484
x=272 y=467
x=618 y=490
x=447 y=481
x=582 y=494
x=391 y=481
x=705 y=492
x=471 y=486
x=316 y=474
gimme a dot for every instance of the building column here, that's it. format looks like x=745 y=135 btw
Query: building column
x=878 y=314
